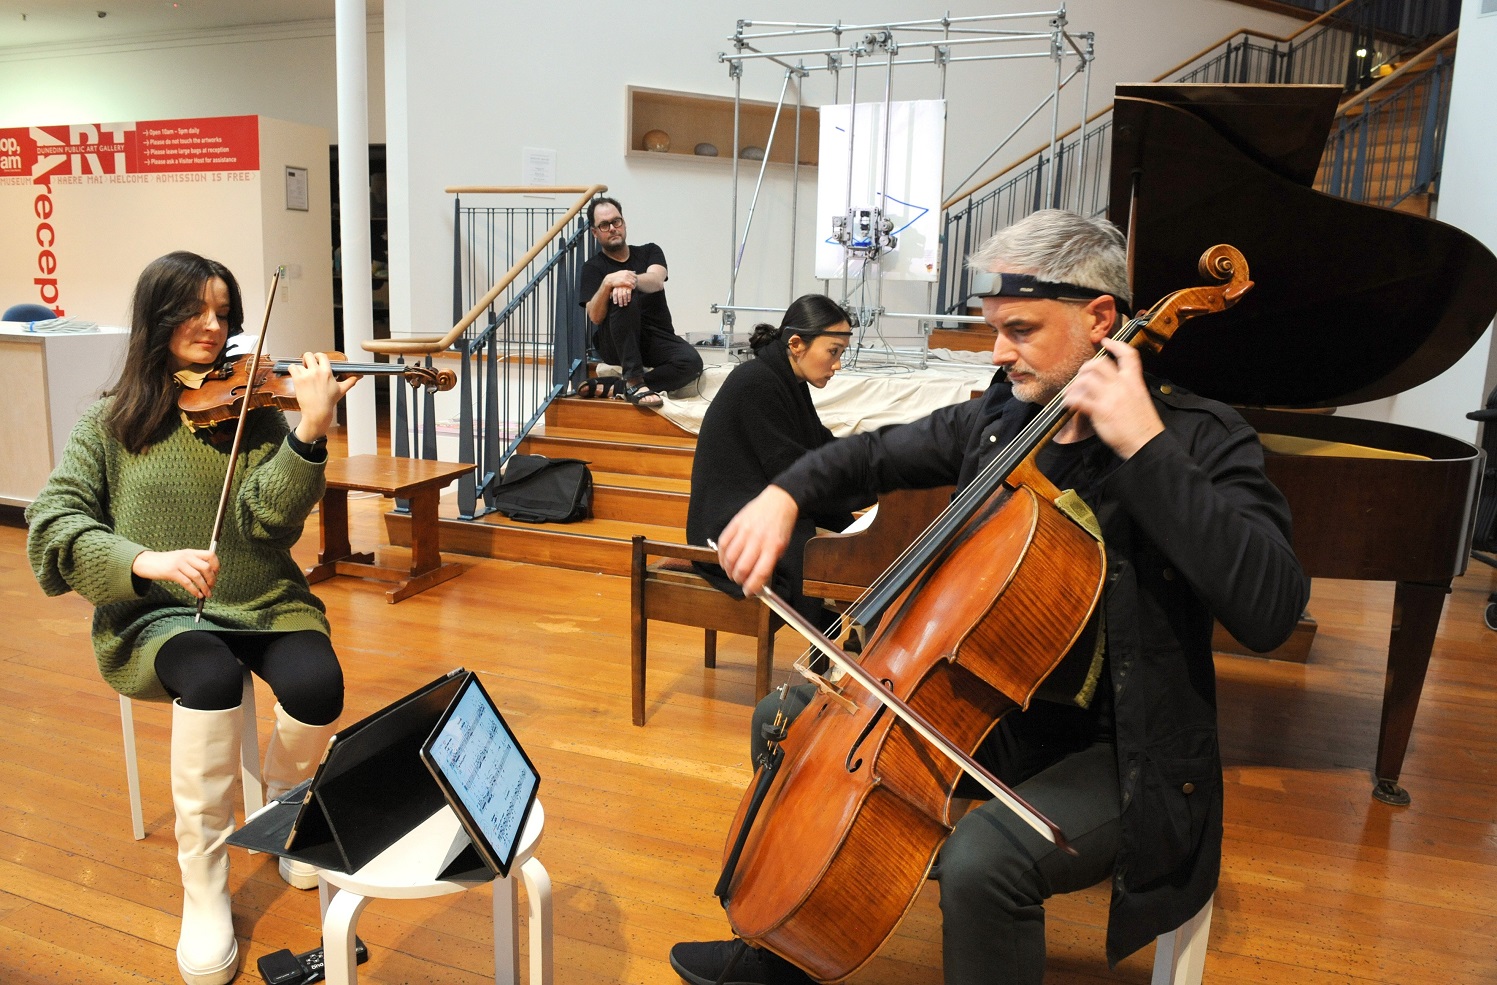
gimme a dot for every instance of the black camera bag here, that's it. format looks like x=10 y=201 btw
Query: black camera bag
x=537 y=489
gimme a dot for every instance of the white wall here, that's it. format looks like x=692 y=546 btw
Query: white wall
x=544 y=78
x=471 y=82
x=1467 y=200
x=286 y=72
x=302 y=319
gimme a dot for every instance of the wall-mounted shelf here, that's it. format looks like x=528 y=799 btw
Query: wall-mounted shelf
x=690 y=119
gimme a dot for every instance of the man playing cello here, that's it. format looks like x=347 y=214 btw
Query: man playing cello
x=1193 y=531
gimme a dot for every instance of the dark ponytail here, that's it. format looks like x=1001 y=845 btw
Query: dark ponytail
x=808 y=316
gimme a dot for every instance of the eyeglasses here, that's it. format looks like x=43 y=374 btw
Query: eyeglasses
x=610 y=224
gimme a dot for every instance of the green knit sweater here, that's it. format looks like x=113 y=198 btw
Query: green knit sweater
x=103 y=506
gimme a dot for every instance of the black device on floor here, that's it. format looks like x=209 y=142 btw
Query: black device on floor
x=284 y=968
x=312 y=961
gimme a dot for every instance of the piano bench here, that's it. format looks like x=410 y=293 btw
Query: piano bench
x=671 y=590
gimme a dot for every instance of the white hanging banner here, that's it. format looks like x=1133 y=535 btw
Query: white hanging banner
x=910 y=200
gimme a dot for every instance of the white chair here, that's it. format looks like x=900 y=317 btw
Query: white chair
x=249 y=758
x=1180 y=956
x=405 y=871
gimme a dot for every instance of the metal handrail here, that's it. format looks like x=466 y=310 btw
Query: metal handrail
x=430 y=345
x=1368 y=153
x=1418 y=63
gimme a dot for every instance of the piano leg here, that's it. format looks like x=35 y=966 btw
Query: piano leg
x=1416 y=617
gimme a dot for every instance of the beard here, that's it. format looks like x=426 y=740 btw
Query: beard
x=1041 y=388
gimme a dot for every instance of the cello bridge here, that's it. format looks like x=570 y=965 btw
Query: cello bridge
x=824 y=685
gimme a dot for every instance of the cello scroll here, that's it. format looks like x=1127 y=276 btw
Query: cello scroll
x=1222 y=263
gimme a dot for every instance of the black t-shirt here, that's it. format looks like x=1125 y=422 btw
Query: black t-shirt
x=655 y=312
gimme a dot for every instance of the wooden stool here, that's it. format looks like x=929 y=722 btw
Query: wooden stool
x=672 y=590
x=415 y=479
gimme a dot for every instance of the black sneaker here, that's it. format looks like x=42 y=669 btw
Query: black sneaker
x=702 y=963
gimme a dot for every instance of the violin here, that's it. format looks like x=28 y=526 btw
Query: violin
x=221 y=396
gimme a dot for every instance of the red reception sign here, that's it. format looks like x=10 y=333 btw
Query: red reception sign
x=222 y=143
x=51 y=161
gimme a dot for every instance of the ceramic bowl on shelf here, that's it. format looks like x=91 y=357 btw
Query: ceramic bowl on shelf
x=657 y=140
x=752 y=153
x=705 y=149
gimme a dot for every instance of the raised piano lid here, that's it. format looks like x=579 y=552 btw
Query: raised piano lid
x=1350 y=302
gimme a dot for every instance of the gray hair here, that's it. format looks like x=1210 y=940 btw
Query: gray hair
x=1063 y=247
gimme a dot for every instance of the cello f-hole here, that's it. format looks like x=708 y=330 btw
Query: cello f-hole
x=853 y=767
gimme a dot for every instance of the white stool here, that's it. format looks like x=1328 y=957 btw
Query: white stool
x=1180 y=956
x=407 y=870
x=249 y=758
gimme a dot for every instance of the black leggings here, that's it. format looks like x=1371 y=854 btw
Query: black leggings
x=204 y=669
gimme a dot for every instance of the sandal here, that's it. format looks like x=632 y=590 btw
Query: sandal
x=604 y=387
x=641 y=395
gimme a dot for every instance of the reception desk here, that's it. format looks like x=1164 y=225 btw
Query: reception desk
x=52 y=380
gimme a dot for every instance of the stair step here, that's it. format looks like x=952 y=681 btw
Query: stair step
x=597 y=545
x=964 y=339
x=649 y=506
x=617 y=454
x=659 y=483
x=632 y=439
x=609 y=415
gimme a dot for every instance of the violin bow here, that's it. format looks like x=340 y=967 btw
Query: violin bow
x=249 y=389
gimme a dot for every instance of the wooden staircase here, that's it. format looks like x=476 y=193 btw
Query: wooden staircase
x=963 y=338
x=641 y=465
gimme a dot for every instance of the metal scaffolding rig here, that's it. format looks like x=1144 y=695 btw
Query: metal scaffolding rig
x=802 y=49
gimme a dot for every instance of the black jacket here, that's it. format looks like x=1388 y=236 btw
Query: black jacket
x=761 y=420
x=1193 y=530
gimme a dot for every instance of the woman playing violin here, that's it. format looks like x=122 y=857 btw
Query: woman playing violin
x=1192 y=530
x=124 y=521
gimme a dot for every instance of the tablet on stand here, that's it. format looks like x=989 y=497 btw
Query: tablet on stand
x=485 y=775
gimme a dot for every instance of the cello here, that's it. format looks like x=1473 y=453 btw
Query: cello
x=972 y=619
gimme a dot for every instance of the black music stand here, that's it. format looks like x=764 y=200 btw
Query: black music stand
x=370 y=789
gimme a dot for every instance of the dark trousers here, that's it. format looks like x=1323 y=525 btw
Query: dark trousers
x=663 y=359
x=204 y=669
x=996 y=872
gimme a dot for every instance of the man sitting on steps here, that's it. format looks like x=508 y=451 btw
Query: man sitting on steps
x=623 y=290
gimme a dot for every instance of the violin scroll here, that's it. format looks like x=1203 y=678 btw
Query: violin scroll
x=429 y=377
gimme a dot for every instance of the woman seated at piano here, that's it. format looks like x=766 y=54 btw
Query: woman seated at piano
x=760 y=421
x=126 y=521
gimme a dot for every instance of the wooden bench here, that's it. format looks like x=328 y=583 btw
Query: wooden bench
x=414 y=479
x=671 y=590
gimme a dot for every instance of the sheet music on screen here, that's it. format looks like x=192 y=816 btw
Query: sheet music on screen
x=487 y=771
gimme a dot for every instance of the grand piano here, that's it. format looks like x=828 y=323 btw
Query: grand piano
x=1351 y=303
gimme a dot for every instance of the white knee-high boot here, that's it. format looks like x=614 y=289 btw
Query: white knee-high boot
x=294 y=751
x=205 y=764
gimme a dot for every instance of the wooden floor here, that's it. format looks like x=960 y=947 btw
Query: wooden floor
x=1321 y=884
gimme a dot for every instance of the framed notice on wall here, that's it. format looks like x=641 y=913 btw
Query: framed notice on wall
x=296 y=189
